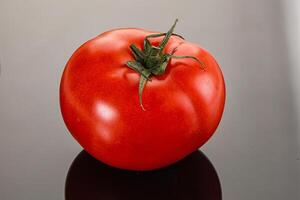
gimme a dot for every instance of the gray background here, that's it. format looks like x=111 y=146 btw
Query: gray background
x=256 y=147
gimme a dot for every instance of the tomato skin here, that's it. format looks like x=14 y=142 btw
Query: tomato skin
x=100 y=103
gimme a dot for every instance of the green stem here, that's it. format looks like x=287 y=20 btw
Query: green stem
x=152 y=61
x=167 y=37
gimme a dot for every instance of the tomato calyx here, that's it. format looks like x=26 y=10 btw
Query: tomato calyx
x=152 y=60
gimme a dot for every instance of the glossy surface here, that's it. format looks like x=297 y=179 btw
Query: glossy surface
x=100 y=105
x=192 y=178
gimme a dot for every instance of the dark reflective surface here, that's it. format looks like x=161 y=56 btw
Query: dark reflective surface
x=192 y=178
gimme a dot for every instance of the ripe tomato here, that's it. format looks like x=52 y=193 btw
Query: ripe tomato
x=131 y=103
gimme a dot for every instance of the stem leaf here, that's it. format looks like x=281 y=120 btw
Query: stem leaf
x=138 y=67
x=137 y=53
x=143 y=81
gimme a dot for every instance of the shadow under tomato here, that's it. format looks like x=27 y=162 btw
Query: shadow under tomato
x=192 y=178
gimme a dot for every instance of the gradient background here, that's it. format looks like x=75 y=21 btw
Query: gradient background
x=257 y=44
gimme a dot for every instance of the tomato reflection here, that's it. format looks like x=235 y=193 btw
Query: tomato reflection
x=192 y=178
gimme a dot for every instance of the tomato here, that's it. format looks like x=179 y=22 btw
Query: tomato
x=141 y=103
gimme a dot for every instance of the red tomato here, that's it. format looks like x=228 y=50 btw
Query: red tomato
x=175 y=113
